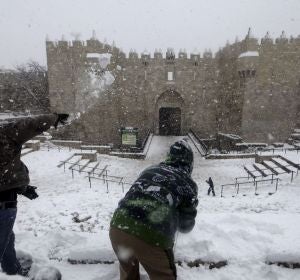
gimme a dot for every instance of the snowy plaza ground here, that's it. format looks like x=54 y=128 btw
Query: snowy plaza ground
x=247 y=231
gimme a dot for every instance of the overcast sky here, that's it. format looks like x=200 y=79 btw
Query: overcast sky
x=138 y=24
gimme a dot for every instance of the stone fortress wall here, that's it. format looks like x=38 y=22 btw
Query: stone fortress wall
x=248 y=88
x=266 y=82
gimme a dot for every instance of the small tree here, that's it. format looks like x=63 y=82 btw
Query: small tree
x=32 y=78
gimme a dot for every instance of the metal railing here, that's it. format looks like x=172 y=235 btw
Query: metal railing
x=81 y=168
x=109 y=179
x=146 y=139
x=201 y=143
x=238 y=184
x=94 y=173
x=289 y=171
x=273 y=150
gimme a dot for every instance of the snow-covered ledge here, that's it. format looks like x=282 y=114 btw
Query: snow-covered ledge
x=249 y=54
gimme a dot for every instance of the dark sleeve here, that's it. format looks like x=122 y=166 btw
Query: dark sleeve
x=25 y=129
x=187 y=210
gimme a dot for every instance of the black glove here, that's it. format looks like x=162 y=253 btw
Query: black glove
x=62 y=119
x=29 y=192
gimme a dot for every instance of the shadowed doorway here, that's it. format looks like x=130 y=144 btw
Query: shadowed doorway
x=169 y=121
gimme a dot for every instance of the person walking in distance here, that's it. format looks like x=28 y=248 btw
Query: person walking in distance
x=211 y=187
x=162 y=201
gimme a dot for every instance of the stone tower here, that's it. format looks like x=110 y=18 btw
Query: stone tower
x=269 y=77
x=247 y=69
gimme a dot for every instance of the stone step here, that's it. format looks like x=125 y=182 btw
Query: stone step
x=43 y=138
x=267 y=171
x=260 y=170
x=26 y=151
x=33 y=144
x=101 y=149
x=290 y=162
x=284 y=164
x=91 y=155
x=251 y=173
x=278 y=145
x=280 y=165
x=270 y=165
x=67 y=143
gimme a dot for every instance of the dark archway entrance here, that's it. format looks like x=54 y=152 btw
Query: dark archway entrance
x=169 y=121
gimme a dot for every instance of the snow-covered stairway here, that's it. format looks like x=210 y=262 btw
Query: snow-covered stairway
x=199 y=146
x=160 y=146
x=273 y=167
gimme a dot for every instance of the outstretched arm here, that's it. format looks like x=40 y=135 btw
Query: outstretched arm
x=24 y=129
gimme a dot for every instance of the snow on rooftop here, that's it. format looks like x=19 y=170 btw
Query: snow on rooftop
x=93 y=55
x=249 y=54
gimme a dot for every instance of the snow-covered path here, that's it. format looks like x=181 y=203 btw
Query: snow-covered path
x=245 y=230
x=160 y=146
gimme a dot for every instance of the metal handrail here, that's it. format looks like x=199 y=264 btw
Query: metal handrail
x=80 y=165
x=205 y=148
x=237 y=185
x=105 y=180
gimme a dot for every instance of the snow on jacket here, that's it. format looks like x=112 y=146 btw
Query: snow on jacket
x=161 y=201
x=13 y=134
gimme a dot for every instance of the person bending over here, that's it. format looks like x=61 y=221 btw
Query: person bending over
x=161 y=201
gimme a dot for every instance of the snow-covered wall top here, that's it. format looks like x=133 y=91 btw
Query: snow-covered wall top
x=249 y=54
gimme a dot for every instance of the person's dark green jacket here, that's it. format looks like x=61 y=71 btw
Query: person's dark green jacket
x=161 y=201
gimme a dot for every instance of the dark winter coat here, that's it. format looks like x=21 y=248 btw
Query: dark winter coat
x=210 y=182
x=162 y=200
x=13 y=134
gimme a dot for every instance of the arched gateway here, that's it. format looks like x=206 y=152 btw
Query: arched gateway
x=169 y=113
x=169 y=121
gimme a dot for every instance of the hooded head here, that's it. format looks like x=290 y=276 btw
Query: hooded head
x=181 y=155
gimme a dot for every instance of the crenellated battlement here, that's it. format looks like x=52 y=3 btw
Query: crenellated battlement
x=281 y=40
x=251 y=50
x=84 y=45
x=250 y=43
x=98 y=46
